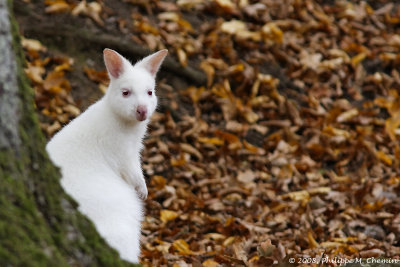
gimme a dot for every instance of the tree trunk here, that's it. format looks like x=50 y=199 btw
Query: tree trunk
x=39 y=223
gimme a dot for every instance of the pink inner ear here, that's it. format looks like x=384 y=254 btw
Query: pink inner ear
x=113 y=62
x=155 y=61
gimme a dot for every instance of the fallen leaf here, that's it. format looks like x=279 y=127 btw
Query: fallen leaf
x=168 y=215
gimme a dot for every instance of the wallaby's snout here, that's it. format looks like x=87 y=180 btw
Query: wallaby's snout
x=141 y=113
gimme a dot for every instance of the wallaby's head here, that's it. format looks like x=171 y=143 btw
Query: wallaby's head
x=131 y=93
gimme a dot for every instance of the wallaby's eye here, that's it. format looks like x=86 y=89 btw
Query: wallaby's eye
x=126 y=92
x=150 y=93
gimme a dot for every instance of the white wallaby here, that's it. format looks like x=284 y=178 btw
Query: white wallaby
x=99 y=152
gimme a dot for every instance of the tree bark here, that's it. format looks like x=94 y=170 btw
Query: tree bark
x=39 y=223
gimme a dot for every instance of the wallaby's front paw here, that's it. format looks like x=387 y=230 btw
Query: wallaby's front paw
x=142 y=190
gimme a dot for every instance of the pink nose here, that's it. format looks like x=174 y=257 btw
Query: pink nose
x=141 y=113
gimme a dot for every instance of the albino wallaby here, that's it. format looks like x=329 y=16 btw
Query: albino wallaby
x=99 y=152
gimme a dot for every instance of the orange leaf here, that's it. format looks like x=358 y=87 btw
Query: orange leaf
x=230 y=138
x=97 y=76
x=146 y=27
x=56 y=6
x=158 y=182
x=384 y=157
x=250 y=147
x=55 y=82
x=178 y=162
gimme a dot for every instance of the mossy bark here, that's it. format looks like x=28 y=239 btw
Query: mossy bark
x=39 y=223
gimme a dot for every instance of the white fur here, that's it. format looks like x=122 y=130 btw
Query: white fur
x=99 y=156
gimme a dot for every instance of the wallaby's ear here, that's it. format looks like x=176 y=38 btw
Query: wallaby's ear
x=114 y=62
x=153 y=62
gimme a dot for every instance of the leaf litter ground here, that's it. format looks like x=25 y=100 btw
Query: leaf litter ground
x=289 y=150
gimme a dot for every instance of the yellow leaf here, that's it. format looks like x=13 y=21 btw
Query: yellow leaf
x=213 y=141
x=182 y=247
x=374 y=206
x=384 y=157
x=229 y=241
x=392 y=124
x=358 y=58
x=298 y=195
x=313 y=243
x=271 y=32
x=345 y=239
x=210 y=263
x=168 y=215
x=394 y=180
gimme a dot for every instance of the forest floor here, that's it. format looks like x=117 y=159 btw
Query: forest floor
x=277 y=135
